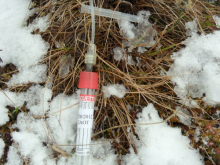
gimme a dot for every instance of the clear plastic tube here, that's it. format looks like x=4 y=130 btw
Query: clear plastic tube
x=84 y=126
x=110 y=13
x=90 y=57
x=93 y=22
x=86 y=104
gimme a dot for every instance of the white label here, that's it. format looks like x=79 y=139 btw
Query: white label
x=84 y=124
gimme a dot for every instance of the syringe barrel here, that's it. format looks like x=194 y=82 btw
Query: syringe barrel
x=88 y=83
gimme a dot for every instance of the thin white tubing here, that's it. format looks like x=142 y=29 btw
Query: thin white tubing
x=93 y=22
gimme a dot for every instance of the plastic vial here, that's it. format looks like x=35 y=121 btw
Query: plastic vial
x=88 y=83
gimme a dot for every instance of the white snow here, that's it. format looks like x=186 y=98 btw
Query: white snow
x=41 y=23
x=36 y=73
x=35 y=102
x=128 y=29
x=118 y=53
x=30 y=146
x=60 y=129
x=62 y=125
x=114 y=89
x=13 y=156
x=2 y=146
x=4 y=102
x=27 y=123
x=18 y=45
x=102 y=154
x=164 y=145
x=196 y=68
x=191 y=28
x=33 y=97
x=217 y=20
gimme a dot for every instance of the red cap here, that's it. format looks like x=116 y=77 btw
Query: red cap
x=88 y=80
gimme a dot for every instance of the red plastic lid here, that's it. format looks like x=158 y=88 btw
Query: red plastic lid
x=88 y=80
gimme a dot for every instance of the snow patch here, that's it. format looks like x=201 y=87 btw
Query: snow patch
x=18 y=45
x=164 y=144
x=41 y=23
x=114 y=89
x=35 y=100
x=191 y=28
x=35 y=73
x=30 y=146
x=4 y=102
x=118 y=53
x=62 y=127
x=62 y=124
x=128 y=29
x=196 y=68
x=102 y=153
x=13 y=156
x=26 y=123
x=217 y=20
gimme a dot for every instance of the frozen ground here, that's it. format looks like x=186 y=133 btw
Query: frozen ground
x=195 y=70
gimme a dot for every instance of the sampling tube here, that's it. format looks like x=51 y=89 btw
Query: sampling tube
x=88 y=83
